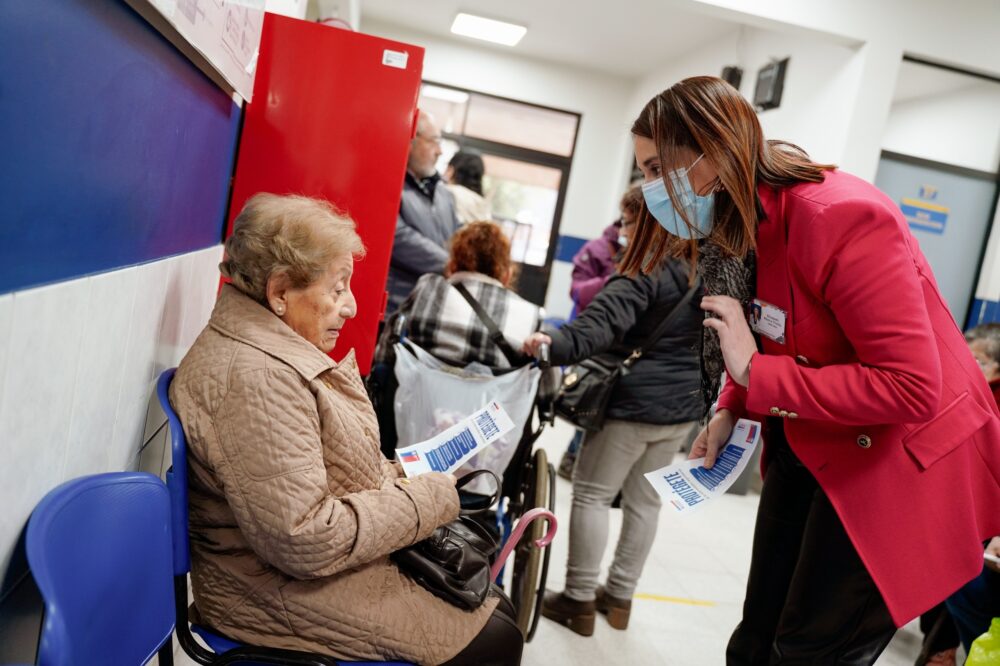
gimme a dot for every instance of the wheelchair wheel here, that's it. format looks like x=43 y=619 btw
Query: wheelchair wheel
x=531 y=564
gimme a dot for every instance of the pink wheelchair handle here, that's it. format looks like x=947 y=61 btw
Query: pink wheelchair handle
x=515 y=536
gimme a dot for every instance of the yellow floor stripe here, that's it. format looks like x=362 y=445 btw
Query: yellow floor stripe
x=674 y=600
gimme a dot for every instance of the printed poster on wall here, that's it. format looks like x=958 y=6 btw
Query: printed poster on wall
x=923 y=213
x=226 y=32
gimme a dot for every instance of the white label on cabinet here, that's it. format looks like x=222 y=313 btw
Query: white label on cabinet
x=395 y=58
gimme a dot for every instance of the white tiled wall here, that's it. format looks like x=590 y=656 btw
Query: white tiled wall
x=78 y=362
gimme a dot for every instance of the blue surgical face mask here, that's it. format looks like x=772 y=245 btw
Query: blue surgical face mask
x=699 y=208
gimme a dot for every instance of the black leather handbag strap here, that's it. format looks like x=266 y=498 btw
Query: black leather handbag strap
x=464 y=481
x=496 y=335
x=658 y=332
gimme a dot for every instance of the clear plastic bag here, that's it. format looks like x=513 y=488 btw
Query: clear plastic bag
x=985 y=650
x=433 y=396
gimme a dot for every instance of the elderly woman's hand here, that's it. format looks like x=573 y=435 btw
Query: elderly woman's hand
x=533 y=342
x=735 y=338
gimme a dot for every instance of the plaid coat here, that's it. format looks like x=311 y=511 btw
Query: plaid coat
x=440 y=321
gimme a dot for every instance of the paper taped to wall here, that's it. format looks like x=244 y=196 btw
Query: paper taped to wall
x=226 y=32
x=688 y=485
x=445 y=452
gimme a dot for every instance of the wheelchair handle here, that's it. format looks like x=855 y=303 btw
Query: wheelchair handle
x=399 y=327
x=544 y=356
x=515 y=536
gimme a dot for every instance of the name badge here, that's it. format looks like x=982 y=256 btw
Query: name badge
x=768 y=320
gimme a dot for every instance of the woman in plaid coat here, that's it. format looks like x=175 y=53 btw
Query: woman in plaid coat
x=441 y=321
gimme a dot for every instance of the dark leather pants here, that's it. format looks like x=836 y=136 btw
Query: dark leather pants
x=499 y=643
x=809 y=599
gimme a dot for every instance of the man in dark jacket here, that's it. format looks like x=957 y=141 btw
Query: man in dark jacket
x=426 y=218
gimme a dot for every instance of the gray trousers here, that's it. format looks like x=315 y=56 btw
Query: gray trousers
x=611 y=460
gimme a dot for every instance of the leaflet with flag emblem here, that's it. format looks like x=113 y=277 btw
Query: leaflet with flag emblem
x=688 y=485
x=447 y=451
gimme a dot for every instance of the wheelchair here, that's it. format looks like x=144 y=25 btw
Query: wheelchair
x=528 y=482
x=528 y=478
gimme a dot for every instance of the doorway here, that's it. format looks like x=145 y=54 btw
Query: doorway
x=948 y=209
x=940 y=163
x=527 y=151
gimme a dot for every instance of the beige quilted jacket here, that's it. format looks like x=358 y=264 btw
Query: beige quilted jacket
x=294 y=510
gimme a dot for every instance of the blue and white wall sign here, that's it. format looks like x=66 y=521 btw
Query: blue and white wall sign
x=924 y=215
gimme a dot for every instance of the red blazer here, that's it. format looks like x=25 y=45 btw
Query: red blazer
x=882 y=400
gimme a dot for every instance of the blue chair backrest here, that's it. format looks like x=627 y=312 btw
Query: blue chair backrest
x=177 y=480
x=98 y=547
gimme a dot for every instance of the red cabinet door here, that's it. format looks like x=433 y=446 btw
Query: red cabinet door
x=332 y=117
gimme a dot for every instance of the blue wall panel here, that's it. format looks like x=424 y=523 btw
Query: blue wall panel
x=114 y=148
x=983 y=312
x=568 y=247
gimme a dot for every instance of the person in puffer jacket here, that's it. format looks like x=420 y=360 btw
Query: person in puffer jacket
x=593 y=266
x=294 y=511
x=650 y=414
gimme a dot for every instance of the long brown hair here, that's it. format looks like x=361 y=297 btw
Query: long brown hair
x=707 y=115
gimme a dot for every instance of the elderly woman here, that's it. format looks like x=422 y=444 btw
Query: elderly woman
x=293 y=509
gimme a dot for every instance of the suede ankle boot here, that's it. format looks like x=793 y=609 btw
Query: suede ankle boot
x=617 y=610
x=578 y=616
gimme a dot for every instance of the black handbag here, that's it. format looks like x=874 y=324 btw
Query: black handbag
x=453 y=563
x=587 y=386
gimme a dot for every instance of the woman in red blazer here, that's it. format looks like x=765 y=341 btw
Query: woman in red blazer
x=882 y=440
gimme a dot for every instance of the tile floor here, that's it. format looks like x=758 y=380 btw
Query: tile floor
x=694 y=579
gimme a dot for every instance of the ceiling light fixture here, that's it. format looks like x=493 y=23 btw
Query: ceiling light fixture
x=478 y=27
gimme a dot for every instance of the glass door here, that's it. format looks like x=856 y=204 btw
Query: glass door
x=527 y=151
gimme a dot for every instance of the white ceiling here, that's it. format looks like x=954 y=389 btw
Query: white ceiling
x=622 y=38
x=917 y=81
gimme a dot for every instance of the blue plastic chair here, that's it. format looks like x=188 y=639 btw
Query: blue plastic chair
x=98 y=547
x=223 y=650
